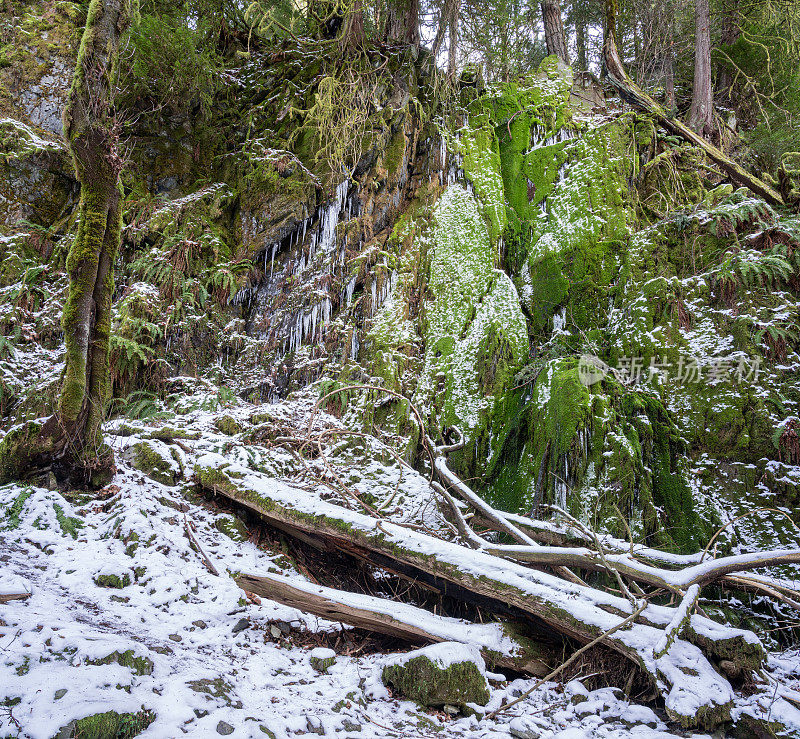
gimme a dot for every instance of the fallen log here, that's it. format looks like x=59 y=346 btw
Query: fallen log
x=8 y=597
x=694 y=693
x=499 y=646
x=564 y=549
x=634 y=95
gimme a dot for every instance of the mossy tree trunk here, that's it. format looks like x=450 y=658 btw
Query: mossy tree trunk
x=71 y=440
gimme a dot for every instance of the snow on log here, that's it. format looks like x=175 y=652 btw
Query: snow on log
x=694 y=693
x=400 y=620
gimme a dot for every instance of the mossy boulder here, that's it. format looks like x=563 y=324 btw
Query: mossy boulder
x=140 y=665
x=322 y=659
x=155 y=459
x=108 y=725
x=228 y=425
x=442 y=674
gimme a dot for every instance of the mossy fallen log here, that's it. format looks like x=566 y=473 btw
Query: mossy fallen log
x=694 y=693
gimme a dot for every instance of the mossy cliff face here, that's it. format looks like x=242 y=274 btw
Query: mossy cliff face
x=467 y=267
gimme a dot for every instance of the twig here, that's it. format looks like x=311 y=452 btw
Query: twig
x=196 y=544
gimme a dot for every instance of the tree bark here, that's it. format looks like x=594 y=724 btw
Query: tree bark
x=701 y=115
x=554 y=35
x=632 y=94
x=582 y=61
x=669 y=67
x=452 y=46
x=731 y=31
x=402 y=22
x=353 y=34
x=71 y=440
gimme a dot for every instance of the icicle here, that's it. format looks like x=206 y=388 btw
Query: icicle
x=272 y=261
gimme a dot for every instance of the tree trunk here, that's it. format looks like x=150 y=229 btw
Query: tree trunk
x=401 y=621
x=353 y=34
x=554 y=35
x=402 y=22
x=582 y=62
x=701 y=115
x=669 y=67
x=452 y=46
x=730 y=33
x=500 y=586
x=71 y=440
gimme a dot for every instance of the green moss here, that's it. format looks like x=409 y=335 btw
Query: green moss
x=14 y=511
x=69 y=524
x=113 y=581
x=228 y=425
x=150 y=459
x=232 y=527
x=128 y=658
x=110 y=725
x=420 y=680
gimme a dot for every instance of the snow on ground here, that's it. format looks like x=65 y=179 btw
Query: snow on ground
x=187 y=646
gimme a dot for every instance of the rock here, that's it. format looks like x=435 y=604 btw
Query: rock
x=154 y=459
x=176 y=637
x=224 y=728
x=349 y=725
x=315 y=725
x=200 y=624
x=36 y=176
x=228 y=425
x=59 y=694
x=730 y=669
x=241 y=625
x=525 y=727
x=441 y=674
x=322 y=659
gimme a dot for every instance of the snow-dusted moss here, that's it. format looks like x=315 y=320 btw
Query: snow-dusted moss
x=475 y=332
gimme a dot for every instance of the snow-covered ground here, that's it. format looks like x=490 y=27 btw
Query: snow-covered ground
x=187 y=645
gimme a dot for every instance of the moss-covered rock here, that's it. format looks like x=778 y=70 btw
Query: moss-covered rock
x=155 y=459
x=109 y=725
x=228 y=425
x=442 y=674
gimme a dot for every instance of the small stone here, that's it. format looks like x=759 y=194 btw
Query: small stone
x=241 y=625
x=525 y=727
x=452 y=710
x=315 y=725
x=200 y=624
x=224 y=728
x=322 y=659
x=176 y=637
x=349 y=725
x=59 y=694
x=729 y=668
x=275 y=632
